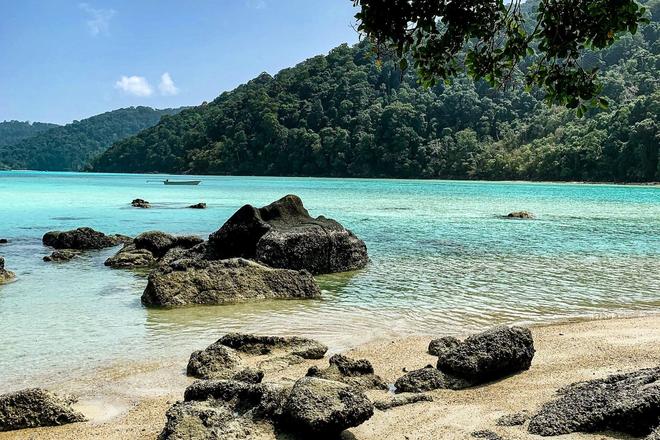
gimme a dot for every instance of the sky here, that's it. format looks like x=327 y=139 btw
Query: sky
x=69 y=60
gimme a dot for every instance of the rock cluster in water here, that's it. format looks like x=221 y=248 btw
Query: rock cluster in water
x=62 y=255
x=524 y=215
x=82 y=239
x=140 y=203
x=149 y=248
x=200 y=205
x=33 y=408
x=5 y=275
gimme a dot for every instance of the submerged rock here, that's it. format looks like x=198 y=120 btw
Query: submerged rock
x=4 y=241
x=520 y=215
x=200 y=205
x=140 y=203
x=284 y=235
x=260 y=345
x=357 y=373
x=490 y=355
x=438 y=346
x=35 y=407
x=130 y=256
x=82 y=239
x=5 y=275
x=428 y=379
x=61 y=255
x=396 y=401
x=214 y=362
x=628 y=403
x=195 y=281
x=319 y=406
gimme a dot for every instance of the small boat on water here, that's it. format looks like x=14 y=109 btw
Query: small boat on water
x=181 y=182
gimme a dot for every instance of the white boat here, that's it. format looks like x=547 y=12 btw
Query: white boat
x=181 y=182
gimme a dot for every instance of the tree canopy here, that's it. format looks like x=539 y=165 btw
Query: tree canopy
x=12 y=132
x=498 y=42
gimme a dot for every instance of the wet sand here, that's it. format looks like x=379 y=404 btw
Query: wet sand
x=129 y=401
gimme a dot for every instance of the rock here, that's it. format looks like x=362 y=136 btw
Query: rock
x=396 y=401
x=486 y=434
x=130 y=256
x=35 y=407
x=428 y=379
x=158 y=243
x=61 y=255
x=440 y=345
x=200 y=205
x=520 y=215
x=357 y=373
x=628 y=403
x=140 y=203
x=214 y=362
x=284 y=235
x=5 y=275
x=490 y=355
x=655 y=435
x=81 y=239
x=4 y=241
x=195 y=281
x=259 y=345
x=515 y=419
x=249 y=375
x=319 y=406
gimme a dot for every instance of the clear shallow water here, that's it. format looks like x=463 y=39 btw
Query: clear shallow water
x=443 y=262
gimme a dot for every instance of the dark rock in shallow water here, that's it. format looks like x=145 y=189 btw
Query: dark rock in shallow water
x=158 y=243
x=61 y=255
x=520 y=215
x=4 y=241
x=195 y=281
x=515 y=419
x=396 y=401
x=34 y=407
x=260 y=345
x=319 y=406
x=284 y=235
x=356 y=373
x=82 y=239
x=5 y=275
x=428 y=379
x=200 y=205
x=438 y=346
x=628 y=403
x=131 y=257
x=486 y=434
x=490 y=355
x=140 y=203
x=214 y=362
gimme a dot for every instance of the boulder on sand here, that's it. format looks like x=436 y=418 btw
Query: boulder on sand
x=214 y=362
x=628 y=403
x=260 y=345
x=284 y=235
x=196 y=281
x=428 y=379
x=491 y=355
x=438 y=346
x=140 y=203
x=60 y=255
x=356 y=373
x=82 y=239
x=35 y=407
x=401 y=400
x=5 y=275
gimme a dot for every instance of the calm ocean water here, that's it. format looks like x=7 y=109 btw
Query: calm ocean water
x=443 y=262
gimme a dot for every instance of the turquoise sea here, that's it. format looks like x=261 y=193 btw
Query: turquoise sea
x=443 y=261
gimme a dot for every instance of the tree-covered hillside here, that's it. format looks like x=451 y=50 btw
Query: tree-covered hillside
x=346 y=115
x=72 y=146
x=12 y=132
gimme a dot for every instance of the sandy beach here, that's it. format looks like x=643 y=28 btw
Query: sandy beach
x=129 y=401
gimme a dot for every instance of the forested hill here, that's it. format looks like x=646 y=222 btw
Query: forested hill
x=12 y=132
x=345 y=115
x=72 y=146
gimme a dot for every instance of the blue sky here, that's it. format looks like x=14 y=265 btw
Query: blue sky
x=65 y=60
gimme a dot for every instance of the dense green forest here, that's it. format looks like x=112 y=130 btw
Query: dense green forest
x=346 y=115
x=12 y=132
x=72 y=146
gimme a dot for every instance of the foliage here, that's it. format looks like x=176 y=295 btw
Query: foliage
x=70 y=147
x=345 y=115
x=12 y=132
x=490 y=39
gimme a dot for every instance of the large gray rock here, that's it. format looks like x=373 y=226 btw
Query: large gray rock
x=130 y=256
x=5 y=275
x=260 y=345
x=356 y=373
x=82 y=239
x=319 y=406
x=284 y=235
x=491 y=355
x=214 y=362
x=628 y=403
x=428 y=379
x=158 y=243
x=196 y=281
x=35 y=407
